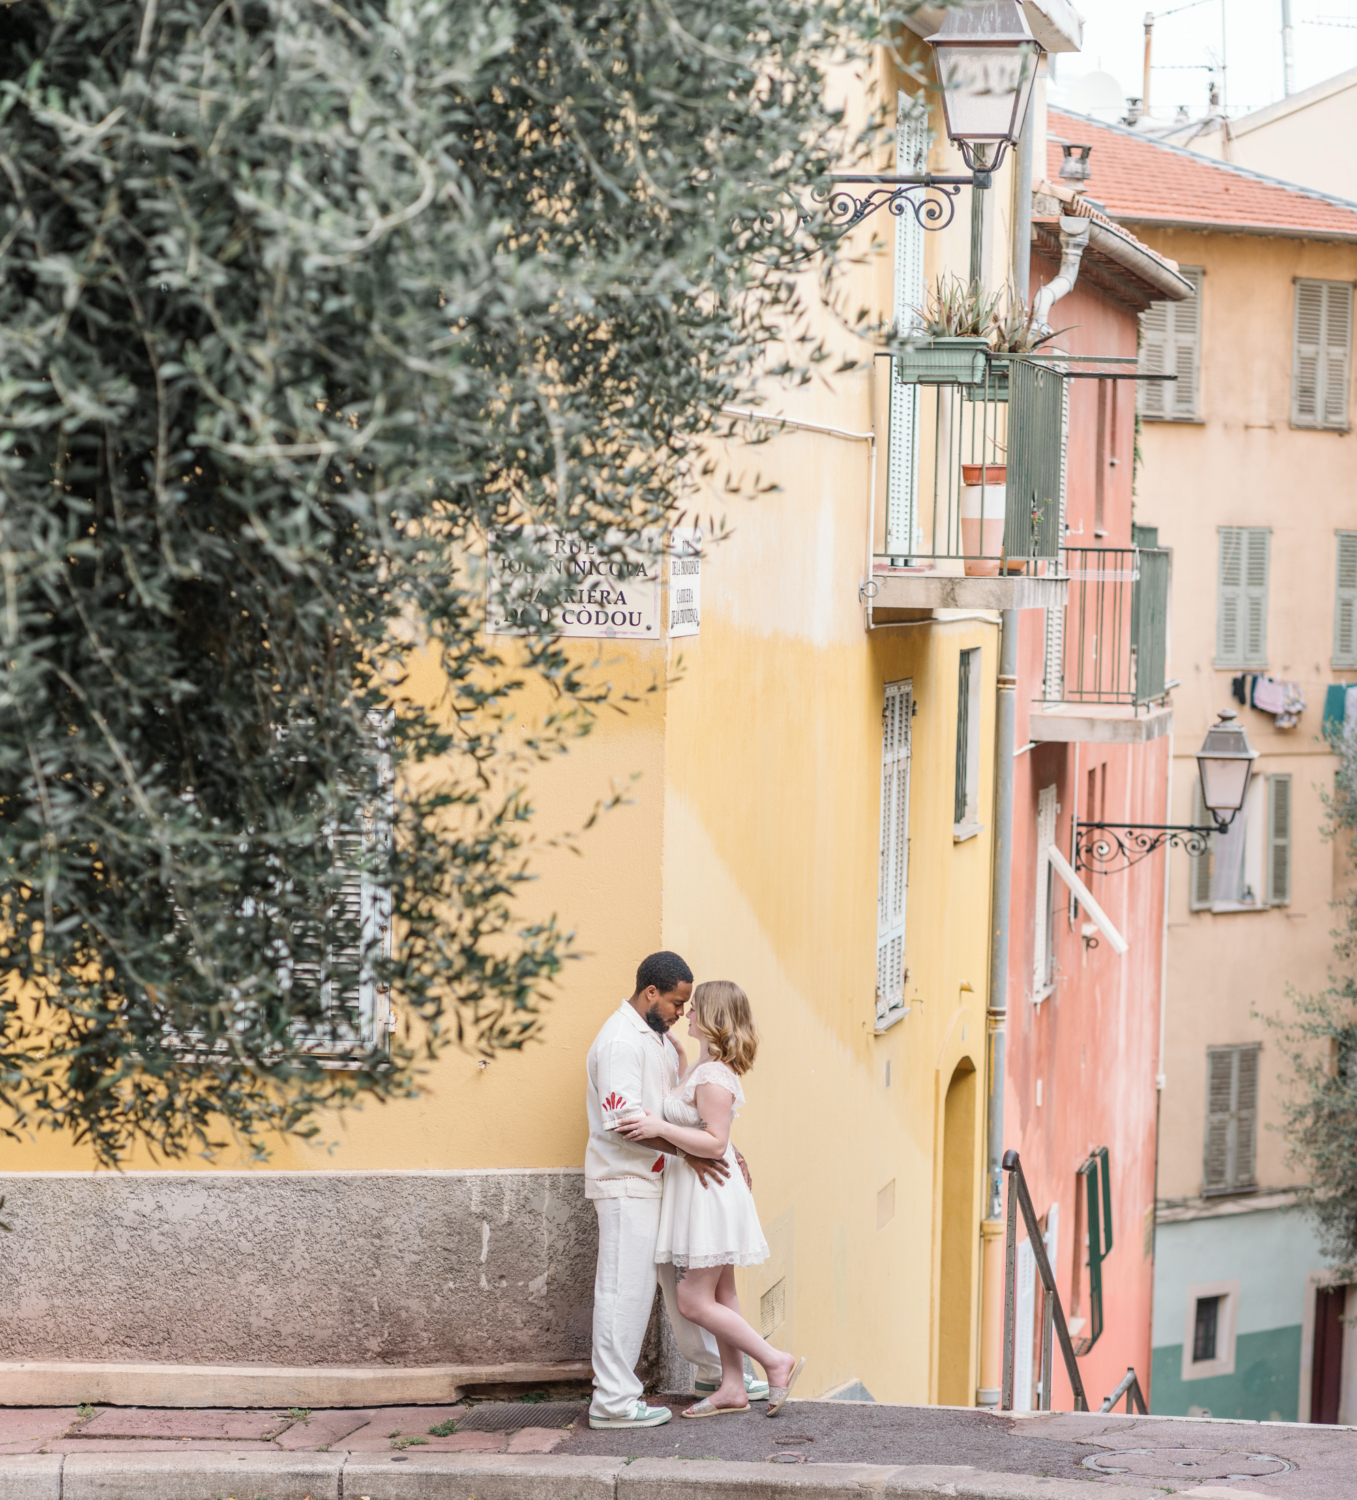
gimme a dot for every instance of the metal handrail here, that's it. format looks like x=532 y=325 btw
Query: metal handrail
x=1129 y=1387
x=1019 y=1197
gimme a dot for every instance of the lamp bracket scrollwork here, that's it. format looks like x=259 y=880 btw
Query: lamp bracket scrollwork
x=1107 y=848
x=932 y=200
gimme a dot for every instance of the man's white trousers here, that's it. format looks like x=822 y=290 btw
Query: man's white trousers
x=624 y=1292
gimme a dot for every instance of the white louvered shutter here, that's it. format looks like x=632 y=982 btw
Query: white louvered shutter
x=1321 y=359
x=1054 y=675
x=1305 y=392
x=1041 y=935
x=1337 y=348
x=1230 y=597
x=1170 y=344
x=911 y=157
x=1241 y=596
x=1279 y=840
x=1245 y=1118
x=1257 y=543
x=1220 y=1081
x=1154 y=337
x=894 y=868
x=1186 y=321
x=1345 y=602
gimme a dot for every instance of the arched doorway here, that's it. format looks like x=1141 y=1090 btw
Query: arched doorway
x=957 y=1270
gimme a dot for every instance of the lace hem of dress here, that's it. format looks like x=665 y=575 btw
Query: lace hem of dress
x=703 y=1262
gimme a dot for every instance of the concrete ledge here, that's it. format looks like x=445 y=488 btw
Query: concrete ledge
x=1098 y=723
x=684 y=1478
x=30 y=1476
x=70 y=1382
x=201 y=1476
x=455 y=1476
x=942 y=591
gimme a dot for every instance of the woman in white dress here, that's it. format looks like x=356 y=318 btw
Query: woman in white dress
x=706 y=1232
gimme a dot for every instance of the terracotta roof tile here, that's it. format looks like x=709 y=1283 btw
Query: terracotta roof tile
x=1146 y=182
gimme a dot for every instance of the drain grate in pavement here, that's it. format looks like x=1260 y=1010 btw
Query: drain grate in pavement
x=510 y=1416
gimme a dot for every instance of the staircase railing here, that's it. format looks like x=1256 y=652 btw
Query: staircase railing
x=1054 y=1320
x=1129 y=1387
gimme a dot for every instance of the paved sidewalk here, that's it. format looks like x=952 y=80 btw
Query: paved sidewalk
x=824 y=1447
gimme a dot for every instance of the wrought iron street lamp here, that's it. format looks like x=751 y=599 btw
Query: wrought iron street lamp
x=1225 y=765
x=986 y=58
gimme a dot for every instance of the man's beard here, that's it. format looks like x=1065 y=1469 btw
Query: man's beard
x=656 y=1022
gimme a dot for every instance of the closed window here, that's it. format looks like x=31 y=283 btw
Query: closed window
x=1229 y=1162
x=1323 y=344
x=1209 y=1335
x=1241 y=596
x=1043 y=943
x=894 y=864
x=911 y=157
x=966 y=796
x=1345 y=602
x=1248 y=867
x=1170 y=344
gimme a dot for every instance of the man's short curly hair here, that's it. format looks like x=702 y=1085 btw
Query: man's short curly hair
x=666 y=971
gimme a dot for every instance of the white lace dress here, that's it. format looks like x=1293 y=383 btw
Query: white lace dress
x=713 y=1226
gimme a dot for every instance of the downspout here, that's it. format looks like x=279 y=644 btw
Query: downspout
x=1073 y=239
x=992 y=1229
x=996 y=1017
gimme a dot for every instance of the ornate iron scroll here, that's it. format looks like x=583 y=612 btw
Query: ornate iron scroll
x=1108 y=848
x=934 y=208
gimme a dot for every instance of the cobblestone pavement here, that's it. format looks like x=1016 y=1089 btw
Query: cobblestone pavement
x=1237 y=1460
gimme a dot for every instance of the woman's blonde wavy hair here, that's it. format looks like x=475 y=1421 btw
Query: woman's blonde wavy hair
x=723 y=1013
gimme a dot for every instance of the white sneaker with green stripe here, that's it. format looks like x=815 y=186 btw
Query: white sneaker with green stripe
x=755 y=1389
x=641 y=1416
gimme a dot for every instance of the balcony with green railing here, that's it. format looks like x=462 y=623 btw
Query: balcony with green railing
x=1107 y=650
x=970 y=510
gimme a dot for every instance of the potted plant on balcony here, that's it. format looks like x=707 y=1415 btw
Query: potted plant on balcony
x=950 y=338
x=1014 y=331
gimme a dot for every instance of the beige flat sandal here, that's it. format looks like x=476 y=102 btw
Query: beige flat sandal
x=704 y=1408
x=777 y=1394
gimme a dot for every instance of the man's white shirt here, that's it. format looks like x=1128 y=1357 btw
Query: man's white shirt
x=629 y=1065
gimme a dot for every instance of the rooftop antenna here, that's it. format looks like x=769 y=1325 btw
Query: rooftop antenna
x=1149 y=38
x=1288 y=53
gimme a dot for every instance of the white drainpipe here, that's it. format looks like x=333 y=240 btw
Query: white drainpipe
x=1073 y=238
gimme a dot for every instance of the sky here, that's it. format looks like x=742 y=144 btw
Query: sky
x=1194 y=39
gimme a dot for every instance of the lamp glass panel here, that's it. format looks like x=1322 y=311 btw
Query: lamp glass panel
x=1224 y=782
x=983 y=88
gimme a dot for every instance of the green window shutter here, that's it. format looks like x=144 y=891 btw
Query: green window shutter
x=1337 y=347
x=1246 y=1117
x=1309 y=337
x=1199 y=885
x=894 y=852
x=1181 y=396
x=1257 y=545
x=1345 y=602
x=1279 y=840
x=1220 y=1078
x=1156 y=329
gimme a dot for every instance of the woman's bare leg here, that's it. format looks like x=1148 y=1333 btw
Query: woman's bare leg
x=700 y=1303
x=732 y=1361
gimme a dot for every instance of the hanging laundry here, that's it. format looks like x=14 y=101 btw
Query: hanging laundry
x=1283 y=699
x=1335 y=707
x=1240 y=688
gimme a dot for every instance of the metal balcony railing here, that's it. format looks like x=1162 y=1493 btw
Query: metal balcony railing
x=975 y=466
x=1112 y=646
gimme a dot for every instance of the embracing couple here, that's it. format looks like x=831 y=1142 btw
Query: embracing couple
x=673 y=1196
